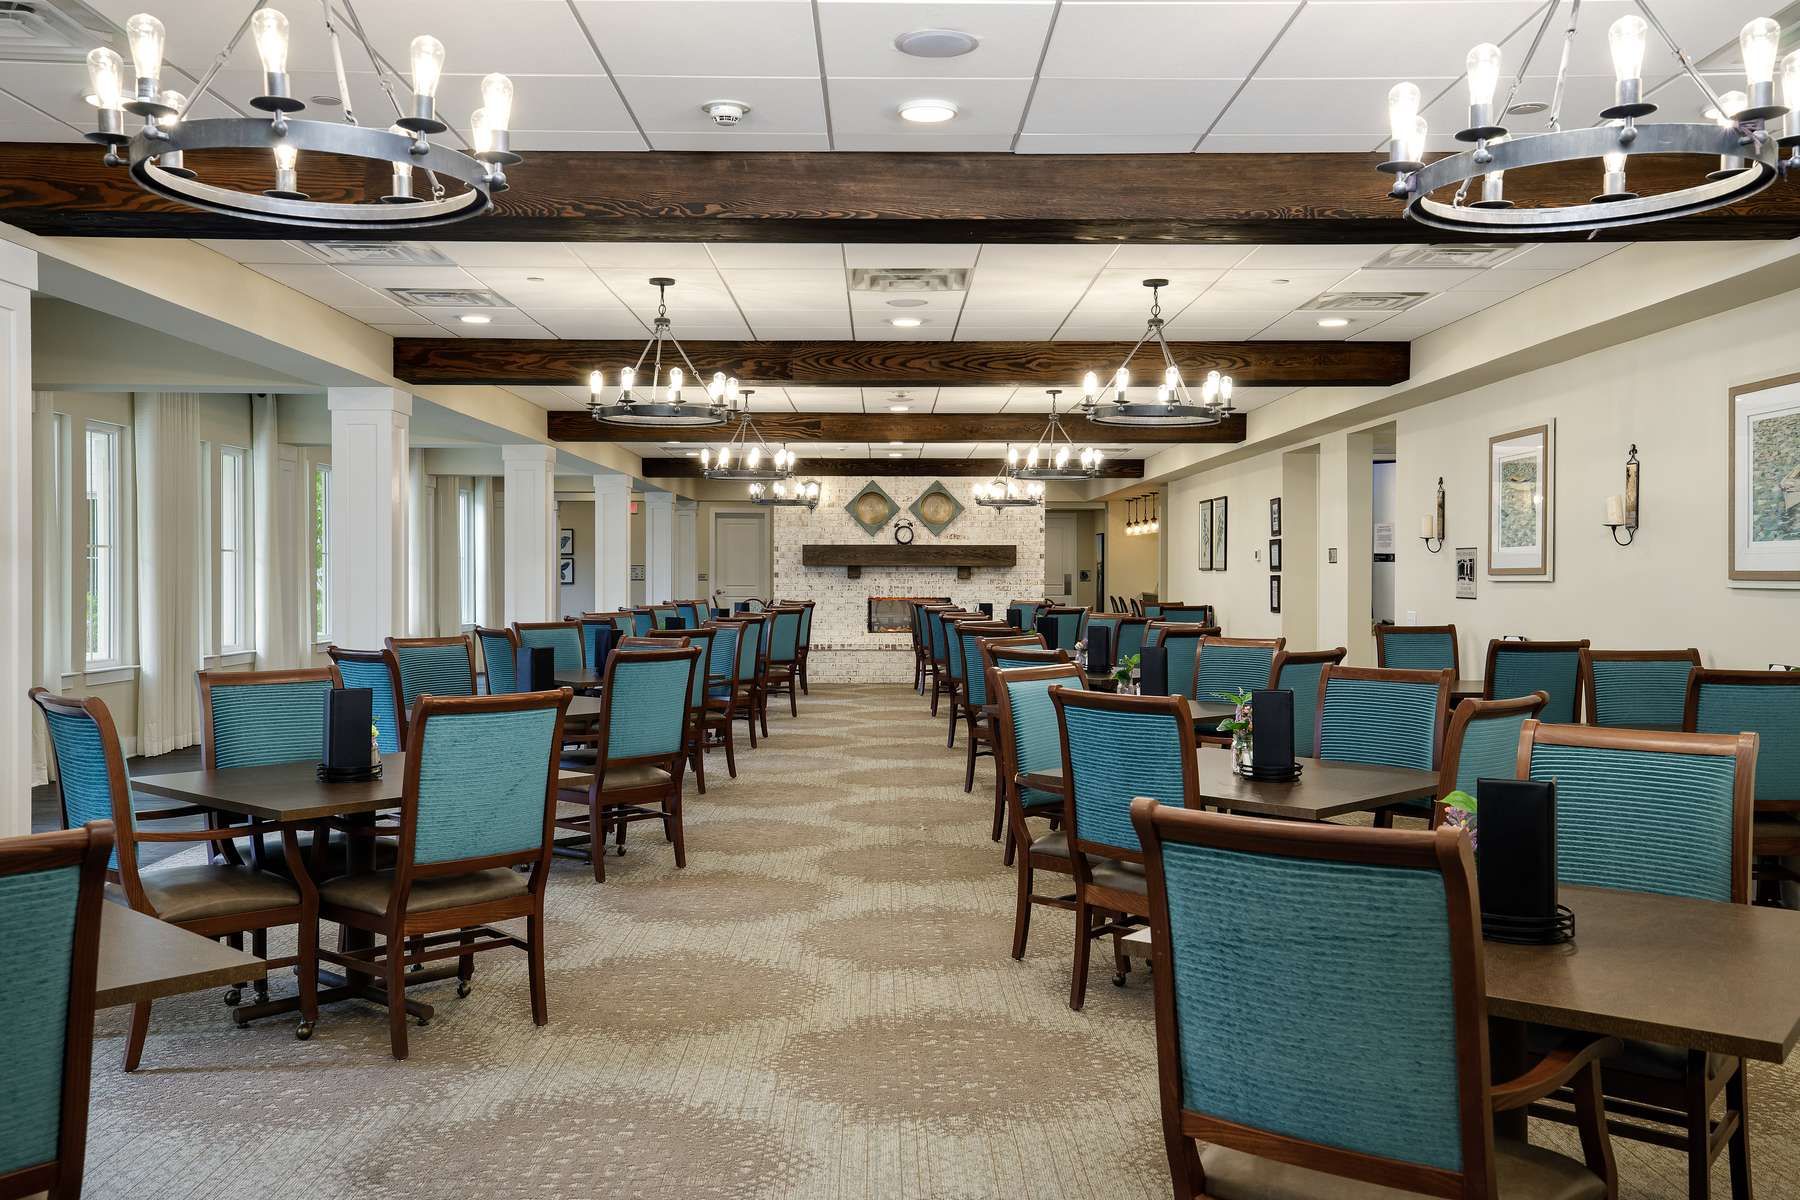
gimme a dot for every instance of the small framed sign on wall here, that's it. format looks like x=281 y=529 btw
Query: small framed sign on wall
x=1274 y=593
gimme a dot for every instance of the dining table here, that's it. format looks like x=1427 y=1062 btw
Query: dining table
x=142 y=958
x=1467 y=689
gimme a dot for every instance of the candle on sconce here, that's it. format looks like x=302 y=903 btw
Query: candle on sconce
x=1427 y=526
x=1615 y=510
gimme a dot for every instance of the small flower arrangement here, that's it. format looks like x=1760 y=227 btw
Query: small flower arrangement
x=1459 y=813
x=1240 y=725
x=375 y=739
x=1125 y=669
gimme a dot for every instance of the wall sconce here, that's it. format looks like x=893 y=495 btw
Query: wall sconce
x=1622 y=511
x=1431 y=525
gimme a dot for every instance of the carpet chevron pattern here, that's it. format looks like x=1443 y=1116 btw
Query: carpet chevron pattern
x=821 y=1005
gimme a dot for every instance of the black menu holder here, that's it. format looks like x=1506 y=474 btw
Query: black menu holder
x=1272 y=715
x=604 y=637
x=1153 y=671
x=349 y=750
x=676 y=623
x=536 y=668
x=740 y=606
x=987 y=609
x=1515 y=862
x=1099 y=649
x=1046 y=629
x=1016 y=618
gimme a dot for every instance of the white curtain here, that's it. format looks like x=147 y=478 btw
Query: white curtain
x=168 y=570
x=418 y=548
x=490 y=552
x=278 y=484
x=50 y=647
x=447 y=555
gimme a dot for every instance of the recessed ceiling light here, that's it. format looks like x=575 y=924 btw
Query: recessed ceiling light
x=936 y=43
x=906 y=322
x=1333 y=322
x=907 y=302
x=928 y=112
x=899 y=408
x=895 y=454
x=324 y=101
x=1278 y=282
x=693 y=454
x=534 y=279
x=896 y=443
x=474 y=319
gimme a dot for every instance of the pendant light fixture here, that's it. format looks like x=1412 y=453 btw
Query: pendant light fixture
x=638 y=402
x=783 y=493
x=1055 y=456
x=746 y=457
x=1171 y=405
x=1003 y=491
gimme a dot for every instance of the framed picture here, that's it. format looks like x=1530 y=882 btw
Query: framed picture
x=1274 y=554
x=1522 y=505
x=565 y=542
x=566 y=571
x=1206 y=536
x=1465 y=572
x=1275 y=517
x=1764 y=480
x=1274 y=593
x=1218 y=534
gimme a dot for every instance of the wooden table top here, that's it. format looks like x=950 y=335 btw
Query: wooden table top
x=1324 y=789
x=1693 y=973
x=580 y=677
x=1463 y=689
x=583 y=706
x=142 y=958
x=291 y=791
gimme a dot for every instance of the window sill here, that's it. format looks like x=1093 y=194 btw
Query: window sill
x=237 y=658
x=99 y=676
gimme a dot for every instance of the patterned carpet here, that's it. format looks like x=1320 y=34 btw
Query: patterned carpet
x=821 y=1005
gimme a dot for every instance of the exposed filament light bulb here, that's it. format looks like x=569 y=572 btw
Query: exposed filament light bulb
x=1403 y=106
x=269 y=29
x=1090 y=383
x=427 y=65
x=481 y=131
x=1626 y=40
x=626 y=377
x=287 y=157
x=675 y=378
x=145 y=35
x=595 y=382
x=1760 y=41
x=105 y=79
x=1484 y=74
x=497 y=98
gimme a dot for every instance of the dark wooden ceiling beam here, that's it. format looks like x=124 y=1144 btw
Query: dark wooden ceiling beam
x=571 y=196
x=689 y=468
x=838 y=428
x=522 y=361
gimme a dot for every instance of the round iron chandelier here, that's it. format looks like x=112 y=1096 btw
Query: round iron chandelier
x=799 y=493
x=1003 y=492
x=157 y=154
x=1173 y=405
x=644 y=408
x=1736 y=131
x=1054 y=456
x=746 y=457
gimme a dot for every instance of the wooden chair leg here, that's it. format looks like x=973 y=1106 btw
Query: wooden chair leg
x=699 y=757
x=307 y=935
x=793 y=691
x=596 y=838
x=969 y=774
x=762 y=707
x=730 y=750
x=465 y=965
x=134 y=1041
x=1185 y=1175
x=674 y=809
x=1590 y=1119
x=1022 y=909
x=1737 y=1098
x=1000 y=817
x=396 y=994
x=540 y=1001
x=1084 y=937
x=950 y=741
x=1699 y=1130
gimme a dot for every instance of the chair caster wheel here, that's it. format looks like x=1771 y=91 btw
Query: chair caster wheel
x=464 y=987
x=234 y=997
x=1118 y=981
x=304 y=1031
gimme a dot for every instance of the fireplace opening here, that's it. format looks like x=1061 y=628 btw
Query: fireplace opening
x=893 y=614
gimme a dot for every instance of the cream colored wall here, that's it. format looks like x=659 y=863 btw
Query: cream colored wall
x=1240 y=594
x=579 y=516
x=1133 y=564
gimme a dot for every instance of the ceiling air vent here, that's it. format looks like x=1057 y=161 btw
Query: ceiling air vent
x=1458 y=258
x=1363 y=302
x=36 y=32
x=414 y=297
x=909 y=279
x=380 y=254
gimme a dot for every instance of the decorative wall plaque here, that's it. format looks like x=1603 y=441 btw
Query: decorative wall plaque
x=871 y=508
x=936 y=508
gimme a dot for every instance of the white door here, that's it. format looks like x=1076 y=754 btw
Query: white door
x=740 y=557
x=1060 y=559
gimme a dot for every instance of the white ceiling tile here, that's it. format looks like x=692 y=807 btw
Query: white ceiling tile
x=651 y=258
x=1264 y=290
x=698 y=37
x=1304 y=326
x=815 y=325
x=542 y=102
x=712 y=328
x=1006 y=326
x=1309 y=142
x=879 y=326
x=1171 y=41
x=1288 y=258
x=791 y=105
x=1507 y=281
x=1391 y=39
x=1104 y=143
x=252 y=251
x=1128 y=106
x=770 y=289
x=388 y=314
x=506 y=254
x=919 y=143
x=1434 y=312
x=956 y=451
x=611 y=322
x=972 y=399
x=1120 y=294
x=857 y=37
x=698 y=294
x=1306 y=108
x=384 y=277
x=910 y=254
x=825 y=399
x=1099 y=329
x=791 y=256
x=524 y=329
x=1563 y=256
x=324 y=284
x=547 y=287
x=984 y=106
x=942 y=306
x=415 y=331
x=1006 y=256
x=1155 y=256
x=524 y=141
x=1195 y=325
x=451 y=318
x=736 y=139
x=1403 y=280
x=534 y=37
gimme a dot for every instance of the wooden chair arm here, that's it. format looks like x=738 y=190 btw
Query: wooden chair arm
x=1552 y=1071
x=164 y=814
x=228 y=834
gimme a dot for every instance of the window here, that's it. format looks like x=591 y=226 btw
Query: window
x=234 y=569
x=103 y=603
x=321 y=549
x=465 y=542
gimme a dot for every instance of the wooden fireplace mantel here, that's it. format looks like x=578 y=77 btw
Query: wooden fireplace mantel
x=964 y=556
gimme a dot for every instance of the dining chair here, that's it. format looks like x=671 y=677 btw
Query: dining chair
x=562 y=637
x=1153 y=610
x=1223 y=665
x=937 y=646
x=755 y=605
x=975 y=697
x=664 y=613
x=1187 y=614
x=804 y=646
x=689 y=611
x=52 y=888
x=478 y=803
x=719 y=710
x=591 y=625
x=1298 y=671
x=1258 y=929
x=1637 y=689
x=953 y=669
x=636 y=761
x=1067 y=625
x=213 y=898
x=1482 y=742
x=783 y=672
x=1023 y=613
x=437 y=666
x=1417 y=648
x=1182 y=643
x=1766 y=703
x=915 y=621
x=702 y=639
x=378 y=671
x=746 y=681
x=1137 y=609
x=1519 y=668
x=498 y=659
x=1383 y=717
x=1028 y=738
x=643 y=620
x=1669 y=813
x=1115 y=748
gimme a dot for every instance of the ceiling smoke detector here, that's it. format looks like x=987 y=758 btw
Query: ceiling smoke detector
x=936 y=43
x=725 y=113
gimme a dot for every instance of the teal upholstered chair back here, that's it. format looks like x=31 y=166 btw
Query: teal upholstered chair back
x=563 y=638
x=806 y=612
x=1119 y=747
x=1638 y=690
x=1130 y=639
x=1065 y=627
x=255 y=718
x=1008 y=658
x=590 y=639
x=1191 y=614
x=970 y=661
x=953 y=652
x=373 y=669
x=1381 y=717
x=721 y=659
x=784 y=635
x=1023 y=614
x=1184 y=652
x=1108 y=622
x=1769 y=707
x=754 y=605
x=749 y=649
x=1299 y=674
x=662 y=614
x=1487 y=745
x=497 y=657
x=1520 y=668
x=647 y=702
x=1256 y=938
x=1153 y=612
x=701 y=639
x=643 y=620
x=85 y=767
x=483 y=782
x=1416 y=648
x=433 y=668
x=1036 y=734
x=938 y=645
x=1642 y=819
x=1227 y=665
x=689 y=611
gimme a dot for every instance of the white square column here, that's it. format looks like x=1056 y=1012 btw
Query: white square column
x=371 y=437
x=530 y=548
x=612 y=543
x=687 y=551
x=18 y=276
x=659 y=547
